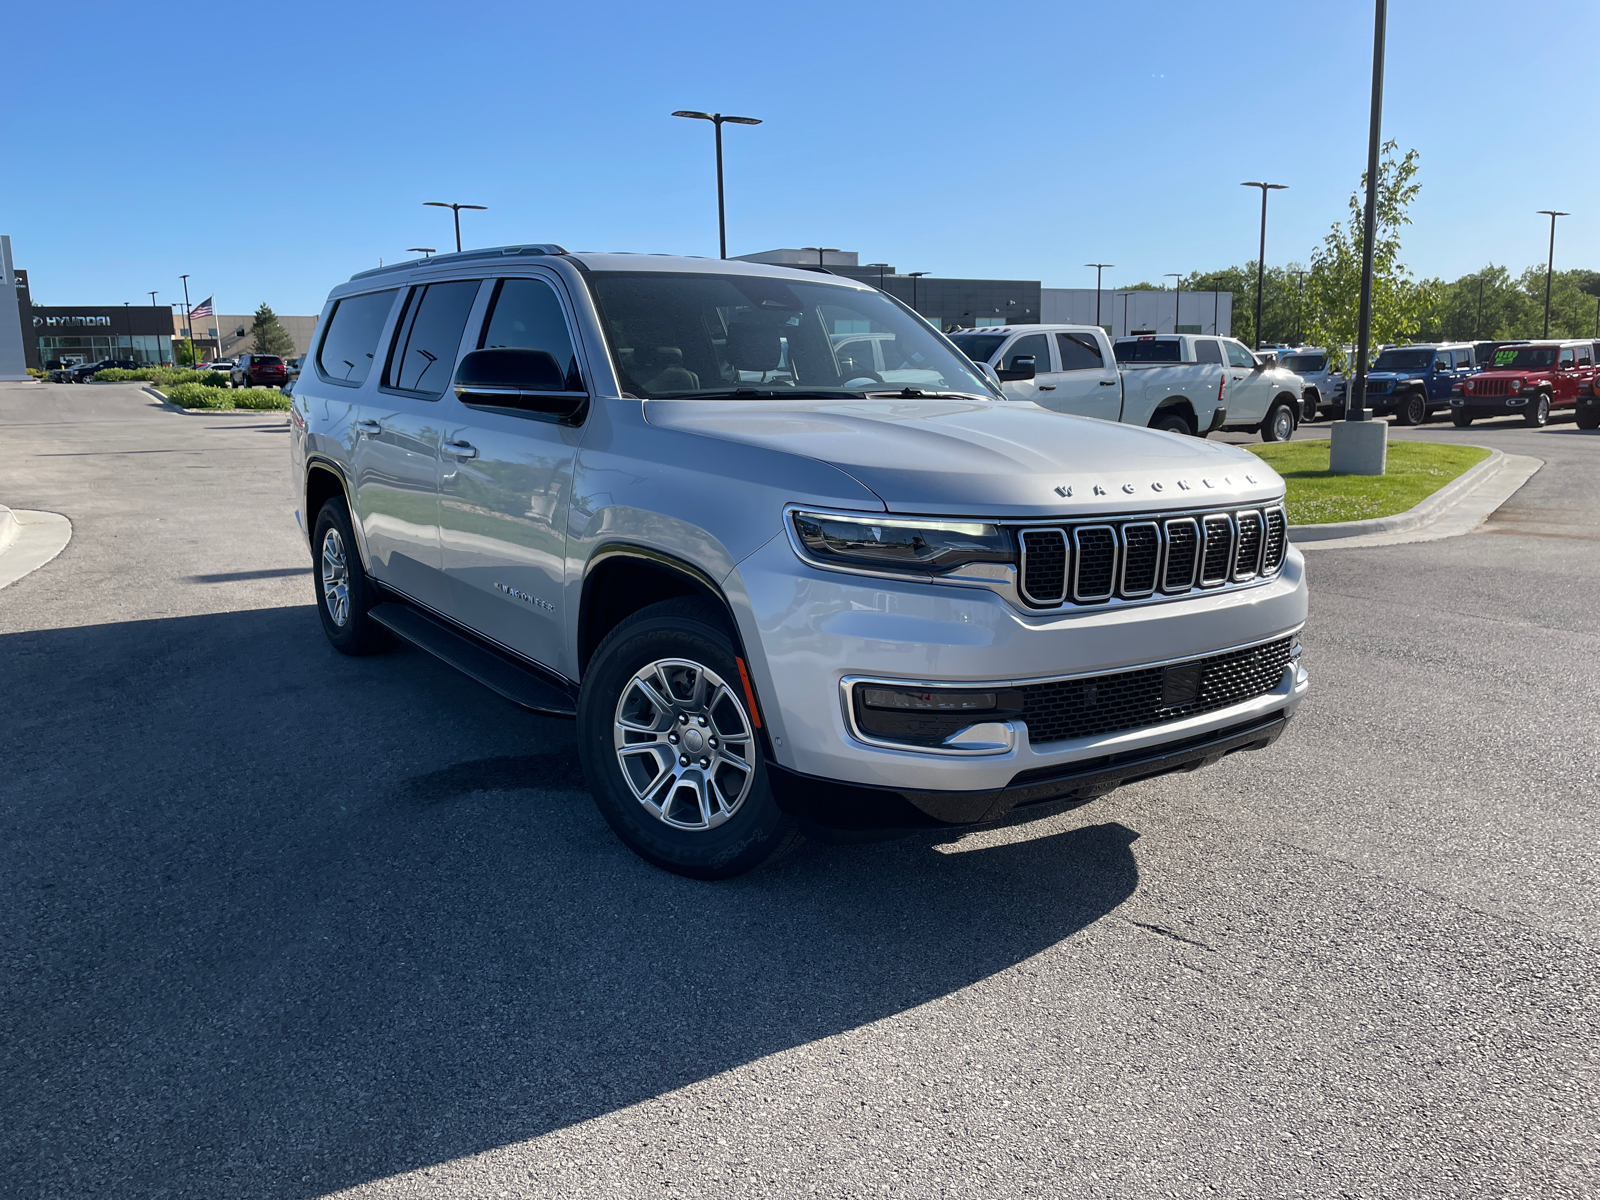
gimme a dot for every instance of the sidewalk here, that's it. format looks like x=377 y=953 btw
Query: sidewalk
x=28 y=540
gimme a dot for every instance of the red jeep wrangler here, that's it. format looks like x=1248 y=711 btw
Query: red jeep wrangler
x=1528 y=380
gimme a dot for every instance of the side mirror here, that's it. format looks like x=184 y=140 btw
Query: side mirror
x=512 y=377
x=1021 y=367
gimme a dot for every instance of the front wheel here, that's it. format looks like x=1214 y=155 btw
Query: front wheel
x=1413 y=410
x=1460 y=419
x=1538 y=414
x=670 y=745
x=1589 y=418
x=1279 y=425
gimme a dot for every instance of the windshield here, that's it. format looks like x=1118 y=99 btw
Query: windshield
x=1525 y=358
x=1302 y=364
x=979 y=347
x=1403 y=360
x=734 y=336
x=1148 y=350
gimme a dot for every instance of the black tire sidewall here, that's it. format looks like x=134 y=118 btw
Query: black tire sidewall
x=1267 y=427
x=757 y=830
x=1539 y=412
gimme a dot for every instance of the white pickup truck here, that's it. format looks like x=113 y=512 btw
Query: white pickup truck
x=1073 y=369
x=1261 y=397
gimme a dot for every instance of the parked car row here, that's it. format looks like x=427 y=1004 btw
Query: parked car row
x=1532 y=379
x=783 y=551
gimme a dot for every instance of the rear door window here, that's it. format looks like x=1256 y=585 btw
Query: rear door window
x=354 y=325
x=1583 y=357
x=527 y=314
x=1079 y=352
x=1464 y=359
x=425 y=346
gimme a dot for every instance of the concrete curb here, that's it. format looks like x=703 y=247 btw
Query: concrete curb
x=37 y=538
x=8 y=528
x=1413 y=518
x=216 y=412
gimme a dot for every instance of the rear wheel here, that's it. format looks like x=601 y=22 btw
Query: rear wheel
x=670 y=746
x=344 y=593
x=1172 y=422
x=1538 y=414
x=1413 y=409
x=1461 y=419
x=1279 y=425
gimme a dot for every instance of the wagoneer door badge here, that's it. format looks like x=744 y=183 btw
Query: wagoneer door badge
x=519 y=594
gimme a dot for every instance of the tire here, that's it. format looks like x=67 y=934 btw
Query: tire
x=1538 y=414
x=1171 y=422
x=344 y=593
x=1461 y=420
x=1412 y=409
x=1279 y=425
x=664 y=687
x=1589 y=418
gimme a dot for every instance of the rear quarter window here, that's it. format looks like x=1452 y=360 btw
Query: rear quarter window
x=348 y=347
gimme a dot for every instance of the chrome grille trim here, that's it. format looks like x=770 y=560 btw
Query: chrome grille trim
x=1252 y=539
x=1216 y=549
x=1127 y=547
x=1045 y=544
x=1189 y=530
x=1078 y=554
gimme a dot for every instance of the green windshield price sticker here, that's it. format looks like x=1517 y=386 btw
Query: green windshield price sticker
x=1504 y=358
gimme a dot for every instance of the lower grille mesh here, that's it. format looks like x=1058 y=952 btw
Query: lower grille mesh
x=1044 y=567
x=1277 y=539
x=1249 y=556
x=1219 y=548
x=1075 y=708
x=1141 y=556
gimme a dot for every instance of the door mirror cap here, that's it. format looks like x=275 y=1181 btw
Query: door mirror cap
x=513 y=377
x=1021 y=367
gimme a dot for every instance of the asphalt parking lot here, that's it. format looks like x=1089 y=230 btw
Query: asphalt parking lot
x=278 y=923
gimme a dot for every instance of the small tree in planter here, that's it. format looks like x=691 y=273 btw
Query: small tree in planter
x=270 y=335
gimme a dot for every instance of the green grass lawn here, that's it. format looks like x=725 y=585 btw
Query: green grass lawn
x=1317 y=496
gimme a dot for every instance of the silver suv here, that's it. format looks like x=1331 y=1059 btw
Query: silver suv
x=776 y=546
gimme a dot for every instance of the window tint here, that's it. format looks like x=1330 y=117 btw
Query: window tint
x=526 y=314
x=1238 y=356
x=1567 y=357
x=1464 y=359
x=1583 y=357
x=979 y=347
x=1035 y=344
x=1079 y=352
x=352 y=337
x=1441 y=361
x=1148 y=349
x=1208 y=352
x=425 y=347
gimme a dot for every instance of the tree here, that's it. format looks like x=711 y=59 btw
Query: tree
x=1333 y=287
x=270 y=335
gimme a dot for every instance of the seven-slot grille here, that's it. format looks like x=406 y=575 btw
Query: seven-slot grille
x=1094 y=562
x=1491 y=387
x=1115 y=703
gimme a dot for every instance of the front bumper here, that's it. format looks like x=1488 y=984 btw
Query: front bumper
x=814 y=630
x=830 y=805
x=1491 y=406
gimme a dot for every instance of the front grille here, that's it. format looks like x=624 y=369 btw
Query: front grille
x=1183 y=555
x=1490 y=387
x=1248 y=557
x=1095 y=563
x=1141 y=556
x=1044 y=566
x=1126 y=700
x=1277 y=541
x=1217 y=530
x=1380 y=386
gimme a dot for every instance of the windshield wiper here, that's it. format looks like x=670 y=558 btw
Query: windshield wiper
x=750 y=393
x=912 y=393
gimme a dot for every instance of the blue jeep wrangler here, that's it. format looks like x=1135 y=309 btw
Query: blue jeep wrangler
x=1412 y=381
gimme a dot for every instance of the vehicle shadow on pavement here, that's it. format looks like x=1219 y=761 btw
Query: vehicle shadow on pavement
x=277 y=922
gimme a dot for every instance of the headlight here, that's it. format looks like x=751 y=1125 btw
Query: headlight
x=1516 y=385
x=902 y=546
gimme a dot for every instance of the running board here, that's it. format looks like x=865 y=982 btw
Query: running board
x=497 y=672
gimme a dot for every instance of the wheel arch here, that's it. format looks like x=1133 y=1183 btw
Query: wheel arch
x=621 y=578
x=1181 y=405
x=324 y=480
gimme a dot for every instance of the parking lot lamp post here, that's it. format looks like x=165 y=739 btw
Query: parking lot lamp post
x=1261 y=255
x=127 y=326
x=718 y=120
x=159 y=359
x=1098 y=268
x=188 y=323
x=1177 y=309
x=1550 y=265
x=915 y=275
x=455 y=209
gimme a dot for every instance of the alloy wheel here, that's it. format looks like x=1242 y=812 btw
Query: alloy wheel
x=684 y=743
x=335 y=578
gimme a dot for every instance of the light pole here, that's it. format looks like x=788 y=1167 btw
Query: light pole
x=718 y=120
x=159 y=359
x=1177 y=310
x=1098 y=267
x=455 y=210
x=882 y=267
x=915 y=275
x=127 y=325
x=188 y=323
x=1550 y=266
x=1261 y=255
x=821 y=250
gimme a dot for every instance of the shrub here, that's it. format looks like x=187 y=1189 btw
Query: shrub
x=198 y=395
x=161 y=376
x=37 y=373
x=262 y=398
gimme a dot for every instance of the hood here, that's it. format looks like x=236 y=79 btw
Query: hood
x=999 y=458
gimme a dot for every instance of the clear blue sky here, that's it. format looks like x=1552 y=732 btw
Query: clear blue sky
x=1008 y=140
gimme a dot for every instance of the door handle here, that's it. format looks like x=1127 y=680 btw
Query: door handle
x=370 y=428
x=1047 y=387
x=1108 y=383
x=461 y=449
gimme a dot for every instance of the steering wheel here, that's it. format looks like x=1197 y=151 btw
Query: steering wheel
x=862 y=376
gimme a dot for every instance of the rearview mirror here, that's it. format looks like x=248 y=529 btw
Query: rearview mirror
x=512 y=377
x=1021 y=367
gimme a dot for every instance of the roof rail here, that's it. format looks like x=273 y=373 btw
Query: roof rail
x=535 y=248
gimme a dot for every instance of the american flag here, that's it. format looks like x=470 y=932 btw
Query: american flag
x=203 y=309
